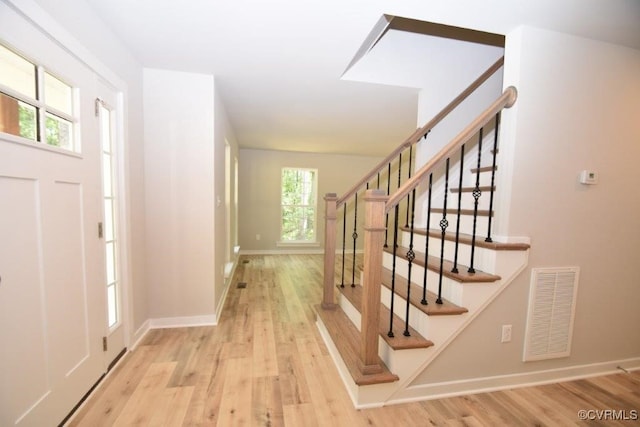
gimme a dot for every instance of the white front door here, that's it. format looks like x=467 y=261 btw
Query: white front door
x=52 y=294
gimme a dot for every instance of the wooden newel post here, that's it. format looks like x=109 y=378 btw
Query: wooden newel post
x=329 y=249
x=374 y=229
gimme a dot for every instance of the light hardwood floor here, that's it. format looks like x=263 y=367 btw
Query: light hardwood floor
x=265 y=364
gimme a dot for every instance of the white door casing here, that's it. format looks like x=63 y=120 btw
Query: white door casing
x=107 y=112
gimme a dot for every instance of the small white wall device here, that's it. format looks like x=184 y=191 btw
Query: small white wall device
x=588 y=177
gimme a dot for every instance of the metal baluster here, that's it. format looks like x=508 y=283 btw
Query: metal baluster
x=411 y=255
x=455 y=256
x=355 y=237
x=476 y=195
x=426 y=245
x=406 y=224
x=443 y=226
x=493 y=177
x=399 y=181
x=393 y=272
x=344 y=242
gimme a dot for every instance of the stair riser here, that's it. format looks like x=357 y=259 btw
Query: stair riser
x=352 y=313
x=452 y=204
x=484 y=259
x=418 y=320
x=466 y=224
x=451 y=290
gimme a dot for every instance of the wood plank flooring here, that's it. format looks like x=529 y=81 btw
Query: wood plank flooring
x=265 y=364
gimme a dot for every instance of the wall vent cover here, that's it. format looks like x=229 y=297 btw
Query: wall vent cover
x=552 y=303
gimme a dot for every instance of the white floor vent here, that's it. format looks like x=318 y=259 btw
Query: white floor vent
x=552 y=302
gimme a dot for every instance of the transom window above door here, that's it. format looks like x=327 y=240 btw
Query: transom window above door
x=36 y=105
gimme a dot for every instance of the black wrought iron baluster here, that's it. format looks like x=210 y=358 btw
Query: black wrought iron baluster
x=386 y=228
x=443 y=227
x=493 y=177
x=355 y=238
x=378 y=186
x=393 y=271
x=476 y=195
x=411 y=255
x=399 y=169
x=455 y=255
x=399 y=181
x=344 y=241
x=406 y=224
x=426 y=245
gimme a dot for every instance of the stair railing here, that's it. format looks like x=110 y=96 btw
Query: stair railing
x=383 y=173
x=378 y=205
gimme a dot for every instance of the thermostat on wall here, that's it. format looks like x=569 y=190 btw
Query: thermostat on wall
x=588 y=177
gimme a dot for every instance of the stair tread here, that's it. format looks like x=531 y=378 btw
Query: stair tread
x=431 y=309
x=454 y=211
x=433 y=263
x=346 y=338
x=399 y=341
x=484 y=169
x=466 y=239
x=483 y=188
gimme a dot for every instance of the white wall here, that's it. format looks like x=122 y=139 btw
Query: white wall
x=578 y=108
x=180 y=194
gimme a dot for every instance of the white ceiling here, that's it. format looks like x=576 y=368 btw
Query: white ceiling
x=278 y=64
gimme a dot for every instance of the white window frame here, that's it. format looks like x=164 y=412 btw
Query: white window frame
x=314 y=206
x=42 y=109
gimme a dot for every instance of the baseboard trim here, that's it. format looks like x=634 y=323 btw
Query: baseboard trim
x=227 y=285
x=183 y=322
x=139 y=335
x=502 y=382
x=287 y=251
x=291 y=252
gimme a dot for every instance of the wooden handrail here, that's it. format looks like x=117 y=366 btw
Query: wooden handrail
x=420 y=132
x=506 y=100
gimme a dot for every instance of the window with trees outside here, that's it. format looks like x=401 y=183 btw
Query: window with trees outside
x=299 y=205
x=35 y=104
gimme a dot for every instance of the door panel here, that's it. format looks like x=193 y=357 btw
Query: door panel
x=65 y=278
x=51 y=304
x=24 y=354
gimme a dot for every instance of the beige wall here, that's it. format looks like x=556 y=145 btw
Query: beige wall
x=578 y=108
x=259 y=185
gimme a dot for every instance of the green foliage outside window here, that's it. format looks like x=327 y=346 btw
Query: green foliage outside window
x=27 y=121
x=298 y=204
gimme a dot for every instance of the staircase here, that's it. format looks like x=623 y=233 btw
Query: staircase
x=429 y=263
